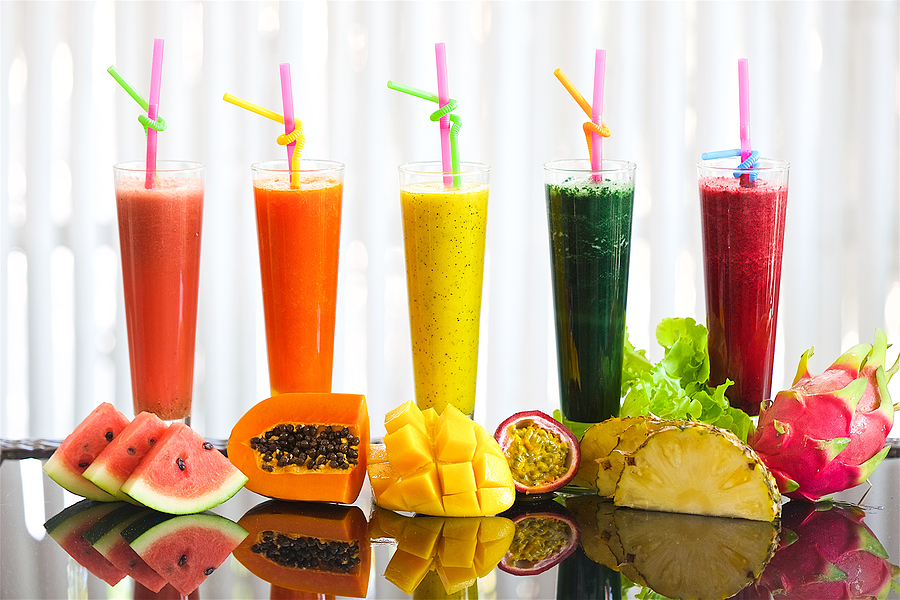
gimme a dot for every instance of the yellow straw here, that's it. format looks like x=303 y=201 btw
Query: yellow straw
x=575 y=94
x=283 y=139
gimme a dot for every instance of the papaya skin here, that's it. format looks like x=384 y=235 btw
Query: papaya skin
x=298 y=483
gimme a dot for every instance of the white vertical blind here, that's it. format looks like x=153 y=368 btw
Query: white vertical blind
x=824 y=93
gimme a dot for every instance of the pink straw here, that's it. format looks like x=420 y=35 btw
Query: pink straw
x=744 y=100
x=153 y=112
x=440 y=54
x=287 y=101
x=597 y=112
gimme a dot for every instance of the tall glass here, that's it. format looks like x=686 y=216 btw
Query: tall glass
x=299 y=229
x=444 y=235
x=159 y=236
x=589 y=214
x=743 y=214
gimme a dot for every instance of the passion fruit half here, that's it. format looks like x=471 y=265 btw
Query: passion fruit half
x=542 y=454
x=545 y=536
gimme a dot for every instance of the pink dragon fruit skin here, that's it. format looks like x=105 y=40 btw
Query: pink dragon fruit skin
x=827 y=432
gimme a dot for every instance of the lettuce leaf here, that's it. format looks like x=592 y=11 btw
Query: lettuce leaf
x=677 y=386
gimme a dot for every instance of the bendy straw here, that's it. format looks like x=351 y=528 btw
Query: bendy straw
x=296 y=134
x=440 y=54
x=153 y=111
x=744 y=105
x=159 y=124
x=597 y=112
x=437 y=115
x=590 y=128
x=287 y=102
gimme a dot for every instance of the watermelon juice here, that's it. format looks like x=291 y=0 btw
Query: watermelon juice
x=159 y=237
x=299 y=238
x=590 y=246
x=743 y=237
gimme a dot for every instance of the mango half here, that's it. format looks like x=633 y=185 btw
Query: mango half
x=447 y=466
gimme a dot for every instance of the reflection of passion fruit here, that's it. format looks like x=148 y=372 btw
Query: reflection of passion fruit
x=545 y=536
x=542 y=453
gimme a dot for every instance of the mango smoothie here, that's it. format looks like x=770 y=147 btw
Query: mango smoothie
x=444 y=237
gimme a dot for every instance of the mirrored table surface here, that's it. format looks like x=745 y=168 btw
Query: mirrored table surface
x=855 y=541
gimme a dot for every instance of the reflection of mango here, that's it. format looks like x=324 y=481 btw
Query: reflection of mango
x=442 y=466
x=459 y=549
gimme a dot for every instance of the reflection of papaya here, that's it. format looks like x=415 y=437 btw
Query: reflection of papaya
x=308 y=547
x=280 y=593
x=460 y=549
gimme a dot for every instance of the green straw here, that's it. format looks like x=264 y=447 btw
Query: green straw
x=159 y=124
x=436 y=116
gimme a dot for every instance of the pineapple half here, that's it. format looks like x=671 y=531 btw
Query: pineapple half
x=695 y=468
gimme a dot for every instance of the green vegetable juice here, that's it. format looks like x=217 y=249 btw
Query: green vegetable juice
x=590 y=246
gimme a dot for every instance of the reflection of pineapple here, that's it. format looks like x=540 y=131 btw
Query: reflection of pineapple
x=689 y=556
x=690 y=467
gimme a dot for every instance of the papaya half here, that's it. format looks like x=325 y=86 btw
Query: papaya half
x=307 y=547
x=310 y=446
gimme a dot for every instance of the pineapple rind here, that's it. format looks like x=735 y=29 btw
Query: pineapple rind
x=695 y=468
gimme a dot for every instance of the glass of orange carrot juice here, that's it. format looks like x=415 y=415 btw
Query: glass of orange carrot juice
x=298 y=219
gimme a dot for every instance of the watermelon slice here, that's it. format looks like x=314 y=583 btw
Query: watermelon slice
x=81 y=447
x=184 y=549
x=105 y=536
x=67 y=527
x=114 y=465
x=183 y=474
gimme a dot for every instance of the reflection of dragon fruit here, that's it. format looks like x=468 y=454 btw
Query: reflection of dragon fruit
x=827 y=432
x=826 y=552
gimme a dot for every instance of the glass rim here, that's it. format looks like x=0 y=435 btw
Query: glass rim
x=436 y=167
x=162 y=166
x=280 y=165
x=730 y=165
x=583 y=165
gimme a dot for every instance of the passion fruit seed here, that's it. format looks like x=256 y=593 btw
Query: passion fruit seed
x=536 y=455
x=308 y=552
x=310 y=446
x=536 y=539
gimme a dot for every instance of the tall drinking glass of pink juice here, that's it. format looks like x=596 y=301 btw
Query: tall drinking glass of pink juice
x=743 y=236
x=159 y=236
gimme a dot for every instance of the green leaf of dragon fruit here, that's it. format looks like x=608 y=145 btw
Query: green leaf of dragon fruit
x=827 y=432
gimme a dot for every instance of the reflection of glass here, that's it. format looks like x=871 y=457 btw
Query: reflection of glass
x=459 y=549
x=308 y=547
x=580 y=577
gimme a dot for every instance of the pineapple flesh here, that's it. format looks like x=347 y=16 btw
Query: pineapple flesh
x=694 y=468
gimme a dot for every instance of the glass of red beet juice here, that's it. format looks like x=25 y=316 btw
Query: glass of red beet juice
x=159 y=236
x=743 y=214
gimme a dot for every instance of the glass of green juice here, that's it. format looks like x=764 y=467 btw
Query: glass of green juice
x=444 y=226
x=589 y=214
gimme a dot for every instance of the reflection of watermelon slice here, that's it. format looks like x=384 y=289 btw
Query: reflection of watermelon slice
x=80 y=448
x=184 y=549
x=113 y=466
x=183 y=474
x=66 y=528
x=106 y=537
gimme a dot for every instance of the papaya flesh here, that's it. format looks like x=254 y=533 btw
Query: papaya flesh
x=304 y=446
x=307 y=547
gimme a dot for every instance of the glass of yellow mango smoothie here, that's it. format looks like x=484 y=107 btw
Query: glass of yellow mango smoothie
x=444 y=226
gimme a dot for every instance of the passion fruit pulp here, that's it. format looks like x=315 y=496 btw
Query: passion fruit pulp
x=542 y=454
x=545 y=536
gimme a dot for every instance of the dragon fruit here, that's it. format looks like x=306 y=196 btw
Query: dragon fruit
x=827 y=433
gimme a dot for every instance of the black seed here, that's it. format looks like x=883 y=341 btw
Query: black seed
x=207 y=446
x=180 y=462
x=183 y=560
x=209 y=571
x=109 y=436
x=132 y=564
x=152 y=440
x=130 y=451
x=84 y=465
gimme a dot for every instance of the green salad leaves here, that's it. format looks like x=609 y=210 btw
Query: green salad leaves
x=677 y=387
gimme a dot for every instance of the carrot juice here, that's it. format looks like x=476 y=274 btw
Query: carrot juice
x=159 y=236
x=299 y=238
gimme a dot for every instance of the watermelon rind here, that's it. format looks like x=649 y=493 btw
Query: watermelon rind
x=112 y=467
x=110 y=521
x=105 y=536
x=205 y=540
x=67 y=527
x=181 y=476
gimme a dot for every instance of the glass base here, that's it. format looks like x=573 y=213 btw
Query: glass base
x=186 y=420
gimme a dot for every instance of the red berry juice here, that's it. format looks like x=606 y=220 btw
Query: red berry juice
x=743 y=235
x=159 y=235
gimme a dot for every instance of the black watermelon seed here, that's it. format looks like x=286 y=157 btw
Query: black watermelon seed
x=180 y=463
x=130 y=451
x=183 y=560
x=209 y=571
x=152 y=440
x=84 y=465
x=207 y=446
x=109 y=436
